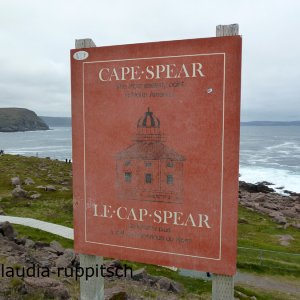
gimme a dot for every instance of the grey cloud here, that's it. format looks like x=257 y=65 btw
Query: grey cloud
x=36 y=37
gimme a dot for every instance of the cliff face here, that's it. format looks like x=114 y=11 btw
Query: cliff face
x=20 y=119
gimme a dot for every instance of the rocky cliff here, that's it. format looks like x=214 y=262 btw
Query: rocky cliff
x=20 y=119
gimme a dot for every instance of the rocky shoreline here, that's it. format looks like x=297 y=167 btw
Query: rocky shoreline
x=18 y=252
x=284 y=209
x=42 y=261
x=262 y=198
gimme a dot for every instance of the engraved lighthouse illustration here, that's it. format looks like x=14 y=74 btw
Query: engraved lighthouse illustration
x=149 y=170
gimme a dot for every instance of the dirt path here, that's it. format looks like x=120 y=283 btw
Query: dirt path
x=259 y=281
x=268 y=283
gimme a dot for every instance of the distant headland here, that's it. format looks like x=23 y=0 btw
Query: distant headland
x=271 y=123
x=20 y=119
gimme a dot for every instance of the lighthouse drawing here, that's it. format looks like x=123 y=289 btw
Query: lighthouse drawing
x=149 y=170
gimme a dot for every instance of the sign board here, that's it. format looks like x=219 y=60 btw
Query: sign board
x=156 y=152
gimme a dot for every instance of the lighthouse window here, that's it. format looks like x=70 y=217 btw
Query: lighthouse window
x=170 y=179
x=148 y=164
x=127 y=162
x=128 y=176
x=148 y=178
x=170 y=164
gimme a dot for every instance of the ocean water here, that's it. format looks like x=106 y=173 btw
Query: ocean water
x=55 y=143
x=268 y=153
x=271 y=153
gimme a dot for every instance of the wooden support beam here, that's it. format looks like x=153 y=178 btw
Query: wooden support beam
x=227 y=30
x=222 y=285
x=93 y=287
x=84 y=43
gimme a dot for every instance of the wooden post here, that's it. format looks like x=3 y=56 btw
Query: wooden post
x=227 y=30
x=93 y=288
x=84 y=43
x=222 y=285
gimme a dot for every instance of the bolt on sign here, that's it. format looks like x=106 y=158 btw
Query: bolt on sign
x=156 y=152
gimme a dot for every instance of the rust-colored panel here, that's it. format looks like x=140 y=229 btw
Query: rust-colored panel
x=156 y=152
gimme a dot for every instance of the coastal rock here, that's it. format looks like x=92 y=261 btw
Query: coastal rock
x=50 y=287
x=40 y=244
x=15 y=181
x=265 y=183
x=264 y=189
x=255 y=188
x=290 y=213
x=163 y=283
x=249 y=187
x=115 y=263
x=175 y=287
x=66 y=259
x=62 y=189
x=242 y=221
x=280 y=220
x=29 y=243
x=139 y=274
x=167 y=284
x=57 y=247
x=285 y=239
x=270 y=206
x=296 y=225
x=41 y=187
x=35 y=196
x=7 y=230
x=50 y=188
x=291 y=193
x=279 y=207
x=258 y=197
x=29 y=181
x=115 y=293
x=274 y=214
x=18 y=192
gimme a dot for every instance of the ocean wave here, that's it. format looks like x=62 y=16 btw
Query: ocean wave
x=284 y=146
x=288 y=179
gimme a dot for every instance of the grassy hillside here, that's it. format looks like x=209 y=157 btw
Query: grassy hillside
x=256 y=231
x=20 y=119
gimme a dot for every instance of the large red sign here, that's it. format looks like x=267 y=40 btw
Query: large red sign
x=156 y=152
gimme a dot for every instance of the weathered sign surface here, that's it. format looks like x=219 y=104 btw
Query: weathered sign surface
x=155 y=152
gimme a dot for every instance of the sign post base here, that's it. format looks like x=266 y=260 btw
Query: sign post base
x=93 y=287
x=222 y=287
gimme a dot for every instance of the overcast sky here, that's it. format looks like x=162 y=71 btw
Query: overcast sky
x=36 y=36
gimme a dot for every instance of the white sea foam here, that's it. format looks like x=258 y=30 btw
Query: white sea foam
x=284 y=146
x=289 y=180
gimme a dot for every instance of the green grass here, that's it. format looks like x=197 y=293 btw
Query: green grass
x=55 y=207
x=42 y=236
x=191 y=285
x=259 y=231
x=262 y=294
